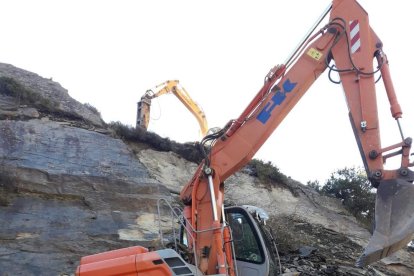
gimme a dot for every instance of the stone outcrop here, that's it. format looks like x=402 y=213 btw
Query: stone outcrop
x=48 y=93
x=65 y=191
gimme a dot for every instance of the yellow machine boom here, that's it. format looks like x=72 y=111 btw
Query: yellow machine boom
x=171 y=86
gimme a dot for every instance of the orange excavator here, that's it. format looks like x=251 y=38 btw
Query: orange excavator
x=347 y=45
x=174 y=87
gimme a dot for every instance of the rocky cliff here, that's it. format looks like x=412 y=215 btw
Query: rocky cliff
x=69 y=187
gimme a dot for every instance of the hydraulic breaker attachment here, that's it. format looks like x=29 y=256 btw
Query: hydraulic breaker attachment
x=394 y=220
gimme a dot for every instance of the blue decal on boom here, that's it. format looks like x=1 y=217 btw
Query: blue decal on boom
x=277 y=99
x=288 y=86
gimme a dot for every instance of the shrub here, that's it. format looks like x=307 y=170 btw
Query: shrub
x=267 y=173
x=23 y=95
x=315 y=185
x=353 y=188
x=188 y=151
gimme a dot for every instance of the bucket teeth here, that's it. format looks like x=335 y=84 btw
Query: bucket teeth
x=394 y=220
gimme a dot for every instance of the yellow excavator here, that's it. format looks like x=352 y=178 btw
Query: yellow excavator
x=174 y=87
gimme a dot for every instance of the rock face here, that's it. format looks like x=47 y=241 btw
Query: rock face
x=69 y=188
x=60 y=149
x=47 y=89
x=65 y=191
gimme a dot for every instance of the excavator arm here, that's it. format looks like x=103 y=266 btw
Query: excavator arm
x=174 y=87
x=349 y=41
x=346 y=45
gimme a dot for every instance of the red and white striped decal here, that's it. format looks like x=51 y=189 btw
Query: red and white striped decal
x=354 y=36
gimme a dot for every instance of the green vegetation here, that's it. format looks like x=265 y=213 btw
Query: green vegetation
x=353 y=188
x=23 y=95
x=268 y=174
x=188 y=151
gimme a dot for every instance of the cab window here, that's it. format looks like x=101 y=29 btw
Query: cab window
x=245 y=240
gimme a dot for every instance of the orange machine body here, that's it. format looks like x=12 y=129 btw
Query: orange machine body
x=351 y=43
x=136 y=260
x=283 y=88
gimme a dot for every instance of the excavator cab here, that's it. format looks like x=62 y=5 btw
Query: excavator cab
x=250 y=247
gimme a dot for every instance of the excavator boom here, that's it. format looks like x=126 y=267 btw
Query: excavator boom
x=348 y=46
x=349 y=41
x=173 y=87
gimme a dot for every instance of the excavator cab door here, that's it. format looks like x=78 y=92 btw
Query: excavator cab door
x=252 y=258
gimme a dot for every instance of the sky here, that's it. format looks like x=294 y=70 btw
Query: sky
x=108 y=53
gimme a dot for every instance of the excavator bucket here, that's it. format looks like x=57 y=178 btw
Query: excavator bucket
x=394 y=220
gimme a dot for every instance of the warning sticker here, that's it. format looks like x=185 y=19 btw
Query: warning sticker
x=315 y=54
